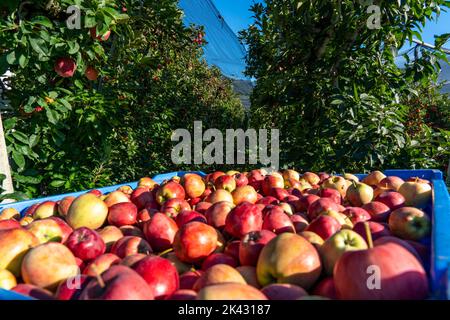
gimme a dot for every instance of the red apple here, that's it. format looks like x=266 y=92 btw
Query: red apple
x=219 y=258
x=122 y=214
x=325 y=288
x=189 y=278
x=95 y=192
x=371 y=274
x=377 y=210
x=251 y=245
x=173 y=207
x=271 y=181
x=333 y=194
x=216 y=214
x=64 y=205
x=211 y=178
x=377 y=230
x=338 y=183
x=304 y=202
x=289 y=258
x=279 y=193
x=117 y=283
x=130 y=245
x=392 y=199
x=311 y=178
x=202 y=207
x=160 y=232
x=219 y=273
x=403 y=243
x=65 y=67
x=244 y=194
x=241 y=179
x=183 y=294
x=195 y=241
x=131 y=260
x=91 y=73
x=219 y=195
x=267 y=200
x=373 y=178
x=356 y=214
x=276 y=220
x=193 y=185
x=283 y=291
x=409 y=223
x=72 y=288
x=232 y=249
x=147 y=182
x=170 y=190
x=249 y=274
x=141 y=197
x=9 y=224
x=160 y=275
x=33 y=291
x=242 y=219
x=324 y=226
x=30 y=210
x=299 y=221
x=189 y=216
x=255 y=179
x=321 y=205
x=391 y=182
x=225 y=182
x=101 y=264
x=86 y=244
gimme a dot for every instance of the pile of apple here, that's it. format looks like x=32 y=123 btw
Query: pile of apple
x=253 y=235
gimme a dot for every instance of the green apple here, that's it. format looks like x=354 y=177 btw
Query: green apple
x=335 y=246
x=87 y=211
x=409 y=223
x=359 y=193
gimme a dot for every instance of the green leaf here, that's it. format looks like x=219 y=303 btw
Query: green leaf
x=44 y=21
x=33 y=141
x=57 y=183
x=65 y=103
x=11 y=57
x=38 y=46
x=20 y=136
x=23 y=61
x=52 y=115
x=18 y=159
x=74 y=47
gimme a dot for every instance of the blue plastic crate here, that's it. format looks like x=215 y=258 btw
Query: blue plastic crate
x=439 y=211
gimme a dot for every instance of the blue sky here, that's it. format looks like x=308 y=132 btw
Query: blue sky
x=238 y=16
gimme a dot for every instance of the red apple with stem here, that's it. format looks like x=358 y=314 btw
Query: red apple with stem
x=160 y=232
x=251 y=245
x=65 y=67
x=86 y=244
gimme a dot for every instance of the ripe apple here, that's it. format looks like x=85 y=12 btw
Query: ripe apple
x=241 y=179
x=359 y=193
x=290 y=174
x=45 y=230
x=325 y=226
x=130 y=245
x=356 y=278
x=335 y=246
x=115 y=197
x=10 y=224
x=30 y=210
x=255 y=179
x=33 y=291
x=65 y=67
x=122 y=214
x=403 y=243
x=289 y=258
x=219 y=273
x=46 y=209
x=194 y=242
x=101 y=38
x=409 y=223
x=96 y=192
x=110 y=234
x=117 y=283
x=173 y=207
x=356 y=214
x=377 y=229
x=86 y=244
x=232 y=249
x=225 y=182
x=211 y=178
x=279 y=193
x=333 y=194
x=343 y=220
x=101 y=264
x=189 y=216
x=14 y=244
x=72 y=287
x=311 y=178
x=377 y=210
x=242 y=219
x=351 y=177
x=7 y=280
x=160 y=232
x=312 y=238
x=299 y=221
x=169 y=190
x=87 y=211
x=48 y=264
x=338 y=183
x=416 y=194
x=219 y=258
x=392 y=199
x=188 y=279
x=91 y=73
x=321 y=205
x=9 y=213
x=219 y=195
x=216 y=214
x=325 y=288
x=271 y=181
x=64 y=205
x=193 y=185
x=251 y=245
x=160 y=275
x=126 y=190
x=230 y=291
x=283 y=291
x=244 y=194
x=391 y=182
x=141 y=197
x=131 y=260
x=304 y=202
x=203 y=206
x=373 y=178
x=183 y=294
x=276 y=220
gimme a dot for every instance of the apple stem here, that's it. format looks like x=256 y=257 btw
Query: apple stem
x=98 y=276
x=368 y=235
x=165 y=252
